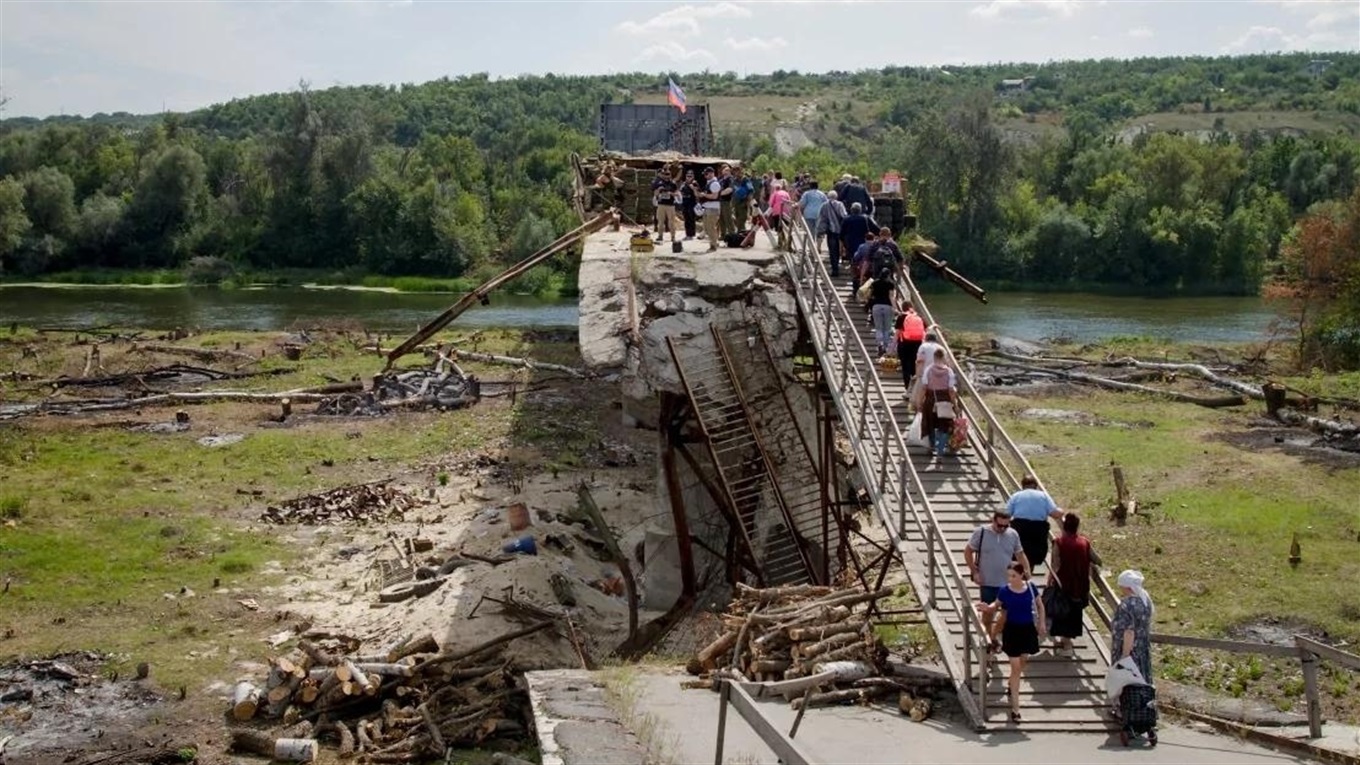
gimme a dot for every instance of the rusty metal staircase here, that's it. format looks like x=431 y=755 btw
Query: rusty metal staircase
x=928 y=509
x=776 y=417
x=748 y=470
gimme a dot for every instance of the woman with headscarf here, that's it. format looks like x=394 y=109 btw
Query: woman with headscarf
x=1131 y=627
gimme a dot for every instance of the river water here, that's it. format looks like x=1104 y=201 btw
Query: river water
x=1024 y=315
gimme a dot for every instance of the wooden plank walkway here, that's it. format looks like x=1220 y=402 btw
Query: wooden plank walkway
x=945 y=499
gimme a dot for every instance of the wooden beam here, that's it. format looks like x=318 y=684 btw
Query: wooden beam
x=1232 y=646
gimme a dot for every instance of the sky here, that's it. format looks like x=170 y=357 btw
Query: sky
x=145 y=56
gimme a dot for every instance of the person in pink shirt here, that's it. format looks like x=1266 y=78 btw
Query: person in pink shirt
x=781 y=205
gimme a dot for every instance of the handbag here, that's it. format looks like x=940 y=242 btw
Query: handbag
x=944 y=410
x=1056 y=603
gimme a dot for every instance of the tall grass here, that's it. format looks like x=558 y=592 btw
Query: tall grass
x=105 y=277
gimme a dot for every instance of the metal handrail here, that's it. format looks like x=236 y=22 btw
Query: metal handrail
x=996 y=434
x=802 y=261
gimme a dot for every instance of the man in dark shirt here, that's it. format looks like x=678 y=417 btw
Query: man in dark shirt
x=855 y=192
x=663 y=194
x=687 y=199
x=855 y=229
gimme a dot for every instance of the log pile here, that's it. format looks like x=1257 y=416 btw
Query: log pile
x=362 y=503
x=410 y=703
x=784 y=633
x=815 y=646
x=812 y=645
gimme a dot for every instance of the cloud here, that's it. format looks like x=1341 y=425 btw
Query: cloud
x=1271 y=39
x=1263 y=39
x=684 y=18
x=1141 y=33
x=998 y=8
x=675 y=52
x=757 y=44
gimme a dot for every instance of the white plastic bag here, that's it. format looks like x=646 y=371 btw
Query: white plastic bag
x=914 y=435
x=1124 y=672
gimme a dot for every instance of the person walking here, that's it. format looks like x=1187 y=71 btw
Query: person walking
x=855 y=230
x=909 y=339
x=882 y=298
x=1069 y=570
x=939 y=403
x=781 y=206
x=990 y=551
x=810 y=204
x=925 y=356
x=1020 y=628
x=829 y=220
x=1131 y=626
x=1030 y=509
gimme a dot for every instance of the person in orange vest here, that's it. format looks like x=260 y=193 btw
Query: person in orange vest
x=911 y=331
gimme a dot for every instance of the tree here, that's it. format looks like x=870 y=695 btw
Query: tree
x=165 y=206
x=49 y=198
x=1322 y=283
x=14 y=223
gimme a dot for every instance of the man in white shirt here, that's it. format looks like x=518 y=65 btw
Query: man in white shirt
x=712 y=207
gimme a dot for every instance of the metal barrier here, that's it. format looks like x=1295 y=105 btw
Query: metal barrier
x=866 y=409
x=784 y=747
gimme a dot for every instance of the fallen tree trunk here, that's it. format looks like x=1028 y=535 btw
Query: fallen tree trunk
x=1317 y=424
x=202 y=354
x=1246 y=389
x=488 y=358
x=168 y=399
x=1211 y=402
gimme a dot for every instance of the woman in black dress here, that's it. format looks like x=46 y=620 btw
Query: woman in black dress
x=1020 y=626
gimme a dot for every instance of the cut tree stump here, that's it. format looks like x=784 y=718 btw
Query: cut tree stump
x=245 y=701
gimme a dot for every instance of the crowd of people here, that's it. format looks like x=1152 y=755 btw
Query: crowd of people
x=1016 y=615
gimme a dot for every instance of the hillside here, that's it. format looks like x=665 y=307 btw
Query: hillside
x=1025 y=173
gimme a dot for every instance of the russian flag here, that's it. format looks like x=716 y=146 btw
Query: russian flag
x=675 y=95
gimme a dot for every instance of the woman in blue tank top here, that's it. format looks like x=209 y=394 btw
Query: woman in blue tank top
x=1021 y=625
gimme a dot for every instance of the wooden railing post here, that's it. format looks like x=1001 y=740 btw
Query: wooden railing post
x=1310 y=690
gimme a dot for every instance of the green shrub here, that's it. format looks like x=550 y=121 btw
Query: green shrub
x=206 y=270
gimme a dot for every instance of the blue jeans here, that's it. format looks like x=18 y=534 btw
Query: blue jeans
x=940 y=440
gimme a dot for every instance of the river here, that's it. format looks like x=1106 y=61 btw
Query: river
x=1024 y=315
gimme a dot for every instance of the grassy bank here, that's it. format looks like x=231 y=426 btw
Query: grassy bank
x=543 y=282
x=143 y=544
x=1221 y=492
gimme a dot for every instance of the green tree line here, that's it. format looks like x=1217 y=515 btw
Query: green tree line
x=460 y=176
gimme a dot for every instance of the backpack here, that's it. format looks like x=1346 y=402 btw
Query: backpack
x=881 y=257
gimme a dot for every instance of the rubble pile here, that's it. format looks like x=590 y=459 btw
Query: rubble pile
x=809 y=643
x=363 y=503
x=433 y=388
x=410 y=703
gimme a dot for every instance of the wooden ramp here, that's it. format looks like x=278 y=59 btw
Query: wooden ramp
x=931 y=507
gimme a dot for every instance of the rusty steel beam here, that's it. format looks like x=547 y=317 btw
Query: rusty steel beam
x=479 y=293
